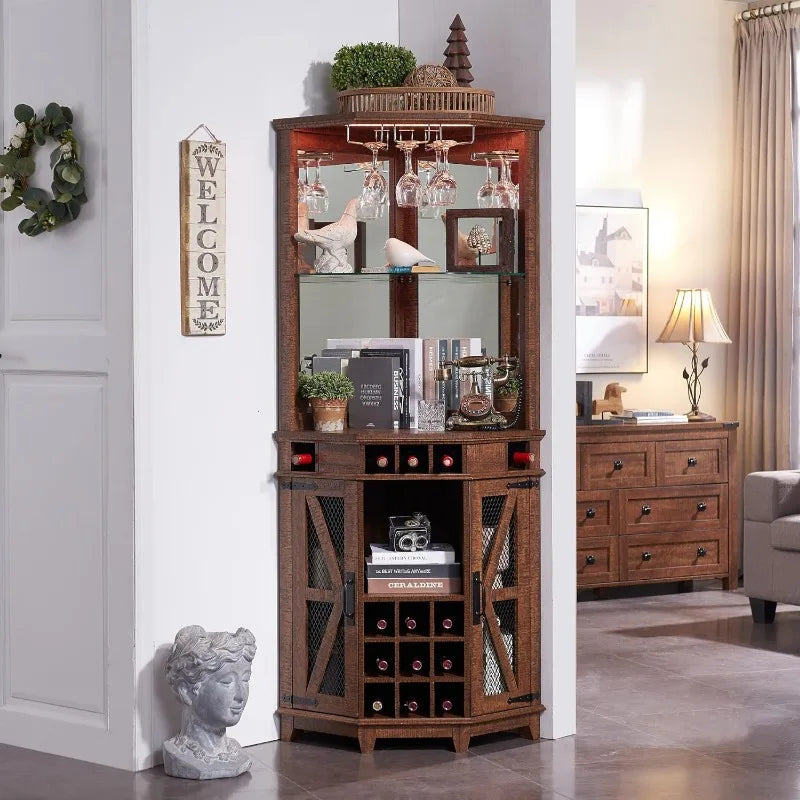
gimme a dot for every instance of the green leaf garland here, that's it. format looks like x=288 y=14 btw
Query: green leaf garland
x=17 y=165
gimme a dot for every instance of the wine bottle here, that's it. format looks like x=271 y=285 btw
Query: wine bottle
x=416 y=665
x=446 y=461
x=410 y=623
x=412 y=461
x=302 y=459
x=377 y=705
x=522 y=459
x=447 y=624
x=446 y=705
x=382 y=664
x=412 y=705
x=381 y=462
x=446 y=664
x=381 y=624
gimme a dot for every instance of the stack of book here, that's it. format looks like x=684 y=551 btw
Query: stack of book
x=431 y=571
x=651 y=416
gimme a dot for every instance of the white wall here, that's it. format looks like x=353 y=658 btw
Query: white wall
x=205 y=408
x=532 y=77
x=654 y=116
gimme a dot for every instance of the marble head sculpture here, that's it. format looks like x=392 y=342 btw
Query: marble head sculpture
x=210 y=674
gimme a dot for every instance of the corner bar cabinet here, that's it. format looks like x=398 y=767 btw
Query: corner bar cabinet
x=350 y=661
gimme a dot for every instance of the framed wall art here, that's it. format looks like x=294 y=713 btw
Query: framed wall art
x=611 y=289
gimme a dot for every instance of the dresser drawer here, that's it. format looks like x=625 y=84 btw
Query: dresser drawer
x=617 y=465
x=596 y=513
x=684 y=509
x=692 y=461
x=597 y=560
x=678 y=555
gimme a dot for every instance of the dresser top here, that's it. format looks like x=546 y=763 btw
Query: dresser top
x=687 y=430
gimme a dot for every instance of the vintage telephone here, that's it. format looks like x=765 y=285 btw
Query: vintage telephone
x=476 y=409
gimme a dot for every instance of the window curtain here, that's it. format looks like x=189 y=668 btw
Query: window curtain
x=761 y=369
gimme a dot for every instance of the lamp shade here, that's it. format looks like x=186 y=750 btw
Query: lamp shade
x=693 y=319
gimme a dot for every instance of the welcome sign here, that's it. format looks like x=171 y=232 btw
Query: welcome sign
x=203 y=284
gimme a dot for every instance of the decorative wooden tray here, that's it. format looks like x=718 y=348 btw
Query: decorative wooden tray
x=411 y=98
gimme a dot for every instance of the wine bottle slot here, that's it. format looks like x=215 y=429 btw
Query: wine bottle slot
x=302 y=459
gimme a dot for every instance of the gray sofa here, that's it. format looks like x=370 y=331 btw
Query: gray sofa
x=771 y=541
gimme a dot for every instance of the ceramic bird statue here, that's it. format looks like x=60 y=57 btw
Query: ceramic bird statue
x=401 y=254
x=333 y=240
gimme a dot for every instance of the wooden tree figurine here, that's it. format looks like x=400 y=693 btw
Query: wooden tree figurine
x=457 y=53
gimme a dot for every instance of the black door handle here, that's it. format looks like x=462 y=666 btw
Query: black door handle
x=349 y=598
x=646 y=510
x=477 y=598
x=646 y=556
x=618 y=464
x=692 y=462
x=701 y=552
x=590 y=513
x=590 y=560
x=701 y=506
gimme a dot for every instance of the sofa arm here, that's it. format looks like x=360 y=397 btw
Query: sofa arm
x=771 y=495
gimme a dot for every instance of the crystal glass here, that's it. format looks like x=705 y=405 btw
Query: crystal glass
x=443 y=188
x=431 y=415
x=317 y=194
x=374 y=191
x=408 y=191
x=486 y=194
x=505 y=190
x=426 y=209
x=302 y=182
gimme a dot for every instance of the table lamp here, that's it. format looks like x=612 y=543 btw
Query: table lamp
x=694 y=320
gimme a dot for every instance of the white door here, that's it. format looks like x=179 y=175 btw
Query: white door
x=66 y=418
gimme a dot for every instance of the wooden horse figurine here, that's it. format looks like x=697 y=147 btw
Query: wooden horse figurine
x=612 y=401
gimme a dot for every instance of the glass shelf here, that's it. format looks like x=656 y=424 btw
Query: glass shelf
x=382 y=276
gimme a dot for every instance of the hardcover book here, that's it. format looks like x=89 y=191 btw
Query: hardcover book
x=376 y=401
x=412 y=571
x=435 y=554
x=413 y=586
x=405 y=386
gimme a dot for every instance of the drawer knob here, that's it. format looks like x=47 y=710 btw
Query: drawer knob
x=646 y=510
x=590 y=560
x=618 y=464
x=692 y=462
x=590 y=513
x=701 y=506
x=647 y=555
x=702 y=552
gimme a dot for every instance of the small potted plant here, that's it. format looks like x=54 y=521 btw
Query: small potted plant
x=506 y=395
x=370 y=65
x=328 y=393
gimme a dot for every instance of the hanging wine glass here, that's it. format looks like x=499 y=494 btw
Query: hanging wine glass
x=302 y=181
x=374 y=190
x=486 y=194
x=505 y=191
x=317 y=194
x=426 y=209
x=409 y=188
x=443 y=188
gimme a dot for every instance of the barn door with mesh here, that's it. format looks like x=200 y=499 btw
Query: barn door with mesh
x=325 y=643
x=500 y=596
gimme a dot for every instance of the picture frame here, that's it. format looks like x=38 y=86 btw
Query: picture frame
x=611 y=292
x=458 y=257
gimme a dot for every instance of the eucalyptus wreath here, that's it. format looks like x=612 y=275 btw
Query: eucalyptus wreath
x=17 y=166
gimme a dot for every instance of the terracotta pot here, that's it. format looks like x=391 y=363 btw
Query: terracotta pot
x=329 y=415
x=505 y=404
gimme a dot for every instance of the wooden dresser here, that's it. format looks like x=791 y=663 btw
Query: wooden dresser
x=657 y=503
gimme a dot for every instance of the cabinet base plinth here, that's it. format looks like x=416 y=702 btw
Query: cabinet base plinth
x=525 y=722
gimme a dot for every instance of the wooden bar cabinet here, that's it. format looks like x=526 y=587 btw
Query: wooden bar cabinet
x=479 y=495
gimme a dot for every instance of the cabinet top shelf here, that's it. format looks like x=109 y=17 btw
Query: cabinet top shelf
x=490 y=121
x=411 y=436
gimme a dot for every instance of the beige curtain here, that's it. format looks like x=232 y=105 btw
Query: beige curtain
x=759 y=375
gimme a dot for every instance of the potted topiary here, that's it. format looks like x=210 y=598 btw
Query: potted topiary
x=369 y=65
x=505 y=396
x=328 y=393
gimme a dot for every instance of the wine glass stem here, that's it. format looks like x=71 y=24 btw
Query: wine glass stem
x=408 y=161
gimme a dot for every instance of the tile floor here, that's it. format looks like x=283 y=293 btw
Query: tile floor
x=680 y=696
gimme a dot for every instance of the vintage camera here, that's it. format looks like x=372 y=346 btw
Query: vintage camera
x=409 y=534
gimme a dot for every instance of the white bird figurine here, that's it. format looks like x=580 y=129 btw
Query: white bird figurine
x=402 y=254
x=333 y=240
